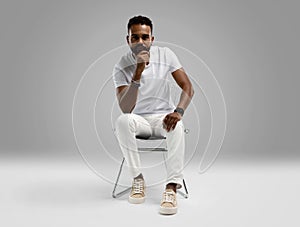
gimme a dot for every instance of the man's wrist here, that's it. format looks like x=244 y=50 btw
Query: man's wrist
x=138 y=71
x=135 y=83
x=179 y=110
x=137 y=76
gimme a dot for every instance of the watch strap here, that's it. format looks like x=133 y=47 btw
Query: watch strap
x=135 y=83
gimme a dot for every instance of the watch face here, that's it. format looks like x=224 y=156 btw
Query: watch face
x=179 y=110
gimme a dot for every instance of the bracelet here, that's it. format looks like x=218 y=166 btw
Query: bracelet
x=135 y=83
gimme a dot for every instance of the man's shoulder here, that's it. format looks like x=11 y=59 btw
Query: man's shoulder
x=160 y=53
x=160 y=49
x=125 y=61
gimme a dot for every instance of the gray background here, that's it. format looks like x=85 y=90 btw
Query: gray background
x=251 y=46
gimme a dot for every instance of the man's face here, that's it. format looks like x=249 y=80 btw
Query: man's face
x=139 y=38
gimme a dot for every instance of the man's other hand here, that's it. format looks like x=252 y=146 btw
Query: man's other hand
x=170 y=121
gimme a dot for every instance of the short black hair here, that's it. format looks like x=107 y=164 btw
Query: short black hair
x=139 y=20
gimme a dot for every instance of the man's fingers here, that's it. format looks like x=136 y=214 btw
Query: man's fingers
x=174 y=125
x=144 y=52
x=143 y=56
x=170 y=124
x=166 y=119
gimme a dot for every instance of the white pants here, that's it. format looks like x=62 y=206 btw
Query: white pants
x=130 y=125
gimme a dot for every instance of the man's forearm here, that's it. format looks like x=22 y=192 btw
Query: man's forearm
x=128 y=98
x=186 y=97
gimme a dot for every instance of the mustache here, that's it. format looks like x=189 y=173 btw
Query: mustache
x=137 y=48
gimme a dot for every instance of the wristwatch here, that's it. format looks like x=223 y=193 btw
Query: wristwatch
x=135 y=83
x=179 y=110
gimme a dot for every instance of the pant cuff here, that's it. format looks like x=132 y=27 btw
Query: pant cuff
x=177 y=181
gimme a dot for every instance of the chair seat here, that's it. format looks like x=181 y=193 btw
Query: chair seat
x=140 y=137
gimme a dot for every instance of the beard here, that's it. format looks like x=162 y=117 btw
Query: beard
x=137 y=48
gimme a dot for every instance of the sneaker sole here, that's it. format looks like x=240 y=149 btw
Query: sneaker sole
x=136 y=200
x=168 y=210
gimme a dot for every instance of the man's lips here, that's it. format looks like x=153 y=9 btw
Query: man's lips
x=139 y=49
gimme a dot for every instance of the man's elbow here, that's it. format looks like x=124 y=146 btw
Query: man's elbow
x=125 y=108
x=192 y=92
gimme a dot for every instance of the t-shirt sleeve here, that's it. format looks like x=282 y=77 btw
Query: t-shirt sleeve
x=172 y=60
x=119 y=77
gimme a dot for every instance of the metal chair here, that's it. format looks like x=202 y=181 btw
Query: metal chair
x=148 y=149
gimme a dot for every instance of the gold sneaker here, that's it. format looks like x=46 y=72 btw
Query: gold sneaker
x=137 y=194
x=169 y=203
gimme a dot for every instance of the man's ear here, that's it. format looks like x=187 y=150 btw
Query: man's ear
x=127 y=39
x=152 y=38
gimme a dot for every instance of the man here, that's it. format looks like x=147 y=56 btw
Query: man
x=141 y=80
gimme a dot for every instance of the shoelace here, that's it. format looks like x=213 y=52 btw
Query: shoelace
x=138 y=186
x=169 y=197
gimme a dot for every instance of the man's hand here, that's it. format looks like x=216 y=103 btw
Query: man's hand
x=170 y=121
x=142 y=58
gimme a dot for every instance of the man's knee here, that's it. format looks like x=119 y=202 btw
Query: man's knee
x=125 y=121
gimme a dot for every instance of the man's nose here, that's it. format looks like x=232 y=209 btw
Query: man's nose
x=141 y=40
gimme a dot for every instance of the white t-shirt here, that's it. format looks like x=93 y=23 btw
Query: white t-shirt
x=154 y=94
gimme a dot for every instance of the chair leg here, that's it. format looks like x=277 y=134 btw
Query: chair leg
x=186 y=193
x=114 y=194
